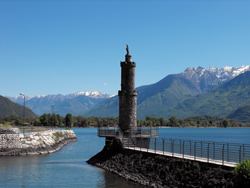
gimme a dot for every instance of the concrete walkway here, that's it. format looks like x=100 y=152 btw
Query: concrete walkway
x=193 y=158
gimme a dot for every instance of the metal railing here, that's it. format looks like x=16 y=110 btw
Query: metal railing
x=133 y=136
x=108 y=132
x=139 y=132
x=151 y=132
x=145 y=139
x=206 y=151
x=129 y=138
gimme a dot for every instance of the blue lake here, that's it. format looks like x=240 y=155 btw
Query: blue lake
x=232 y=135
x=68 y=167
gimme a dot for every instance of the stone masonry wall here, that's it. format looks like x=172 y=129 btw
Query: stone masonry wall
x=44 y=142
x=157 y=171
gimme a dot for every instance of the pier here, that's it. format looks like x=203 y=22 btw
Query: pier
x=146 y=140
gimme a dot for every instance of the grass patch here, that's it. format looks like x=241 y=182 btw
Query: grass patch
x=5 y=125
x=58 y=135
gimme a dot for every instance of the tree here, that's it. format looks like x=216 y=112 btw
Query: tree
x=181 y=122
x=149 y=123
x=74 y=122
x=172 y=121
x=68 y=120
x=55 y=120
x=211 y=122
x=44 y=120
x=18 y=121
x=225 y=123
x=81 y=121
x=60 y=120
x=162 y=121
x=148 y=118
x=37 y=122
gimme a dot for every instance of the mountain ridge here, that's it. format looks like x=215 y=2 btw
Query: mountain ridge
x=8 y=108
x=241 y=114
x=63 y=104
x=156 y=98
x=220 y=101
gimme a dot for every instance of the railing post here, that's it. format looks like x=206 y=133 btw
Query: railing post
x=213 y=150
x=243 y=151
x=141 y=143
x=180 y=146
x=208 y=152
x=201 y=149
x=195 y=151
x=223 y=154
x=163 y=145
x=173 y=149
x=190 y=143
x=155 y=145
x=183 y=146
x=227 y=152
x=148 y=145
x=240 y=155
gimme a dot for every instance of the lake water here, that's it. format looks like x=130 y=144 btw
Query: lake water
x=68 y=167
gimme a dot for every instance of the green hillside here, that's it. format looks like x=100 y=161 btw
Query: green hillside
x=219 y=102
x=8 y=108
x=163 y=95
x=151 y=98
x=107 y=108
x=241 y=114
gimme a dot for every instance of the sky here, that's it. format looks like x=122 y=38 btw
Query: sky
x=66 y=46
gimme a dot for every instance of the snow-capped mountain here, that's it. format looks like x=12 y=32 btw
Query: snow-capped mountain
x=75 y=103
x=91 y=94
x=18 y=99
x=223 y=74
x=211 y=77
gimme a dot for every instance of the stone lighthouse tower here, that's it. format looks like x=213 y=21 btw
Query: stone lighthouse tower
x=127 y=95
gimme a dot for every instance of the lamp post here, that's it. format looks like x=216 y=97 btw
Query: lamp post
x=52 y=116
x=23 y=107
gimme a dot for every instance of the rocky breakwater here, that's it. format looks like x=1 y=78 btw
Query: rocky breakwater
x=13 y=143
x=151 y=170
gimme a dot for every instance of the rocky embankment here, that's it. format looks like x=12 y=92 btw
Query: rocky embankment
x=153 y=170
x=13 y=143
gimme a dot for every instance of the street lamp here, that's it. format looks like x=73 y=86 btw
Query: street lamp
x=23 y=107
x=52 y=116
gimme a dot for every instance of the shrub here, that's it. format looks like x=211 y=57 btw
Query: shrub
x=242 y=173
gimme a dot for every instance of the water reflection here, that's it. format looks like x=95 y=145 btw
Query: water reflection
x=13 y=170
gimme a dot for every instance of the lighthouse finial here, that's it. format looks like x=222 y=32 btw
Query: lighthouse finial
x=127 y=48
